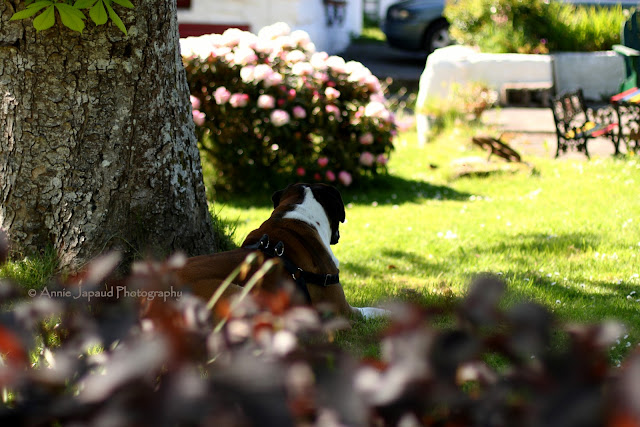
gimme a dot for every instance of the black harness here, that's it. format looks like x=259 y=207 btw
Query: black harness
x=300 y=277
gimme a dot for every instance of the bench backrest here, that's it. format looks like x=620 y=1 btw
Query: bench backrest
x=630 y=35
x=569 y=111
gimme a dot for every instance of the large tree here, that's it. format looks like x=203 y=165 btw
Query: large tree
x=97 y=145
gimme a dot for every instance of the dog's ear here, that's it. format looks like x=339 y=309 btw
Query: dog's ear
x=331 y=200
x=275 y=198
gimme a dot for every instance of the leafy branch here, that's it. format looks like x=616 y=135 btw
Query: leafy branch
x=71 y=14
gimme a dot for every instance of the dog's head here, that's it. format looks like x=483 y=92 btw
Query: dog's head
x=327 y=196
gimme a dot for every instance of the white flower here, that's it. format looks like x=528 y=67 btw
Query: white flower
x=266 y=102
x=274 y=31
x=301 y=37
x=246 y=73
x=261 y=72
x=302 y=69
x=295 y=56
x=280 y=118
x=319 y=61
x=332 y=93
x=244 y=56
x=337 y=64
x=377 y=110
x=232 y=36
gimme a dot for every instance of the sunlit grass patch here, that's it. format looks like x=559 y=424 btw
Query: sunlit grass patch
x=564 y=234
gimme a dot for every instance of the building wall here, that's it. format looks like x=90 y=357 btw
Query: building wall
x=308 y=15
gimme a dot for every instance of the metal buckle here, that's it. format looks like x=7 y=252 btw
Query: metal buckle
x=293 y=275
x=264 y=242
x=279 y=249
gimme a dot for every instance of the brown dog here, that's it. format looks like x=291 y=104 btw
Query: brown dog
x=303 y=225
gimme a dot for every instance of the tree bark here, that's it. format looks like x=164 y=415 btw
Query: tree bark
x=97 y=144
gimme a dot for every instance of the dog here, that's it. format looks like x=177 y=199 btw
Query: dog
x=300 y=231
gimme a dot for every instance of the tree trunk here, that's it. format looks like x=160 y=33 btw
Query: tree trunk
x=97 y=145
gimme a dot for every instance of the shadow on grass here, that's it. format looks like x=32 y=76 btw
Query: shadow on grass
x=394 y=190
x=383 y=189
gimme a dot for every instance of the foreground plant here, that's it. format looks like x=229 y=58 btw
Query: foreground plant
x=270 y=363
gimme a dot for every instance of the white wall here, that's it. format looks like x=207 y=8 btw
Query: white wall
x=308 y=15
x=597 y=73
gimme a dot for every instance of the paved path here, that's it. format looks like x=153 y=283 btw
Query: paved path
x=531 y=131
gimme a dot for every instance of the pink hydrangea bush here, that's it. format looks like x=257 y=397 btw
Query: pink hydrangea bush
x=270 y=109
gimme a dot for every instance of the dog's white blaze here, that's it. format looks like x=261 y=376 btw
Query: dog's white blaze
x=312 y=212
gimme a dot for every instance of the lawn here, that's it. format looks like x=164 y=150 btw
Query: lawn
x=564 y=234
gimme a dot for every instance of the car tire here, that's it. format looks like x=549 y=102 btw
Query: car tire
x=437 y=36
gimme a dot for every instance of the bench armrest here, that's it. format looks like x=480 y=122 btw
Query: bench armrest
x=625 y=50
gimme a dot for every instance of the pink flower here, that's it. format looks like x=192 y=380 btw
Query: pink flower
x=317 y=176
x=300 y=172
x=366 y=138
x=195 y=102
x=291 y=94
x=266 y=101
x=239 y=100
x=330 y=176
x=382 y=159
x=279 y=118
x=345 y=178
x=332 y=109
x=366 y=159
x=321 y=77
x=299 y=112
x=331 y=93
x=221 y=95
x=378 y=110
x=273 y=79
x=323 y=161
x=198 y=117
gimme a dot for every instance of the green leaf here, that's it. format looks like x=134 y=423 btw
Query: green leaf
x=98 y=14
x=124 y=3
x=83 y=4
x=71 y=17
x=45 y=20
x=116 y=19
x=30 y=10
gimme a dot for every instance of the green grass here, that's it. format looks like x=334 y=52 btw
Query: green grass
x=565 y=235
x=32 y=272
x=371 y=33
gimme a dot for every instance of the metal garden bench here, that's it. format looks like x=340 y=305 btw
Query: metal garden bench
x=576 y=123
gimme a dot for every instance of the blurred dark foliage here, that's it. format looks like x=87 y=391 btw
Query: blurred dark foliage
x=125 y=362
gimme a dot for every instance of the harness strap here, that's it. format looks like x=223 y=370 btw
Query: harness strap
x=300 y=277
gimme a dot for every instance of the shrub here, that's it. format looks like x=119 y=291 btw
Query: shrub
x=465 y=103
x=269 y=109
x=534 y=26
